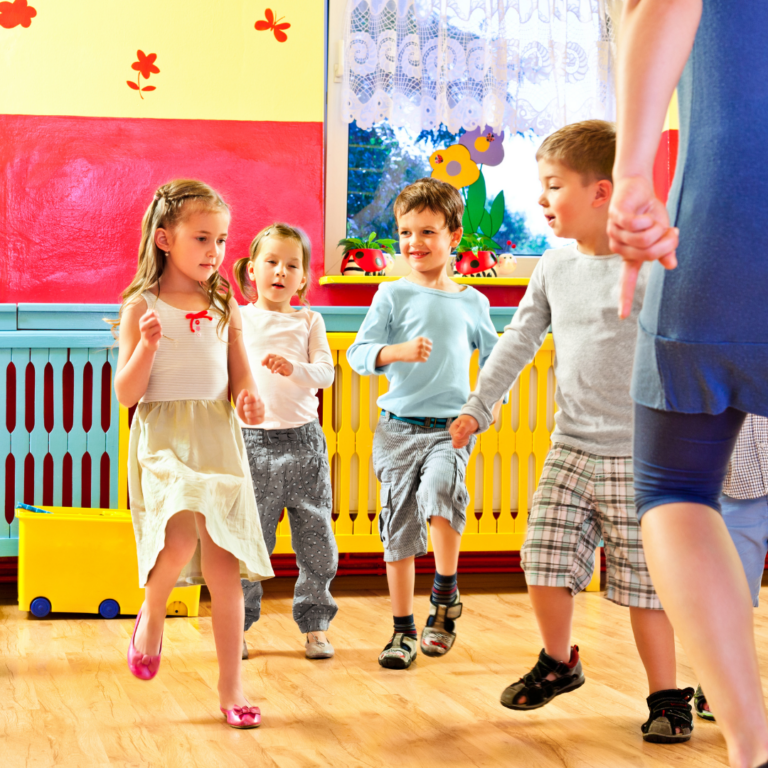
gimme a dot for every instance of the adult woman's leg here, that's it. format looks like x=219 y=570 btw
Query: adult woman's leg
x=680 y=463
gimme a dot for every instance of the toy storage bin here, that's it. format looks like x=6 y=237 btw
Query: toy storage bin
x=84 y=561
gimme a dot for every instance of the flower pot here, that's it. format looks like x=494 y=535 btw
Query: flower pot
x=364 y=261
x=480 y=264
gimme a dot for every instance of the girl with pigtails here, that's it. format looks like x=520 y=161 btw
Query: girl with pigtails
x=291 y=360
x=181 y=354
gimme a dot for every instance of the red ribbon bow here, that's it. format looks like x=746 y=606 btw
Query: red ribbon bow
x=195 y=318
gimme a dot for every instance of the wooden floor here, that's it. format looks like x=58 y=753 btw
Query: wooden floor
x=67 y=698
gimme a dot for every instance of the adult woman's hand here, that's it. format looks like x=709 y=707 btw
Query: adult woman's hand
x=638 y=228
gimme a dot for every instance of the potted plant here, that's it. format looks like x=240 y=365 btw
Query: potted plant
x=366 y=257
x=475 y=256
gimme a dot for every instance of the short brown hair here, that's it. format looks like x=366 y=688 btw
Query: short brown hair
x=435 y=195
x=588 y=147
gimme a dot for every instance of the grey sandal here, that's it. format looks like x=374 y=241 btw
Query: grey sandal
x=438 y=637
x=399 y=652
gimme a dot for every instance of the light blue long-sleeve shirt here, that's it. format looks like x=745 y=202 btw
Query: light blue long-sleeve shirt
x=456 y=323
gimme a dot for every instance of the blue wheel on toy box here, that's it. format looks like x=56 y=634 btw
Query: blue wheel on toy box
x=40 y=607
x=109 y=609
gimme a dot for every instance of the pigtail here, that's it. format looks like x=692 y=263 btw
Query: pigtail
x=244 y=282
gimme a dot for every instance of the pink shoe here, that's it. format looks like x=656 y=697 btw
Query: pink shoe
x=141 y=665
x=243 y=717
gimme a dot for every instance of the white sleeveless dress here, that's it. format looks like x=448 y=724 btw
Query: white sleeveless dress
x=186 y=449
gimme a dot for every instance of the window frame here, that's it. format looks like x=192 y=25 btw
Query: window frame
x=337 y=142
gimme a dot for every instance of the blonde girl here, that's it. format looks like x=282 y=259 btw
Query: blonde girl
x=192 y=504
x=289 y=355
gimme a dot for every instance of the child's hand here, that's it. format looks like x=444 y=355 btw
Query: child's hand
x=278 y=364
x=638 y=228
x=151 y=330
x=250 y=408
x=415 y=351
x=462 y=429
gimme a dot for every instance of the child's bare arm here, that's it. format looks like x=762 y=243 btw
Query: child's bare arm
x=248 y=404
x=140 y=334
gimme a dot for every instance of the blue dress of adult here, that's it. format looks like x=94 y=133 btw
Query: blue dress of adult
x=702 y=354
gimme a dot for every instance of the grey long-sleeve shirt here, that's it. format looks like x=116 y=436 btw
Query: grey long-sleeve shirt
x=578 y=296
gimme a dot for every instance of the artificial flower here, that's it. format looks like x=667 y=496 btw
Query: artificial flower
x=454 y=166
x=485 y=146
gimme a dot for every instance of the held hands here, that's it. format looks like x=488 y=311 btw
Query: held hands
x=151 y=330
x=250 y=408
x=638 y=228
x=462 y=429
x=277 y=364
x=417 y=350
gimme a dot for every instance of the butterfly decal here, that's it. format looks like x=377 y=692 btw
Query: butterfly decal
x=272 y=23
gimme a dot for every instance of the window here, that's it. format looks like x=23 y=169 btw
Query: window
x=367 y=167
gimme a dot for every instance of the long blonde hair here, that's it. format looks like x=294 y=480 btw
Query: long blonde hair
x=284 y=232
x=174 y=202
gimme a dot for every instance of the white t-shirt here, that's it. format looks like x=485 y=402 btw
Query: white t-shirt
x=299 y=337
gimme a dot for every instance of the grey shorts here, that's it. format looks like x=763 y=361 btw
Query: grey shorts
x=421 y=476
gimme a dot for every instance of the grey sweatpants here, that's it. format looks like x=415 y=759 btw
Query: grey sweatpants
x=290 y=470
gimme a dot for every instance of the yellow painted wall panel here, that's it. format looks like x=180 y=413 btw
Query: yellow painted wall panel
x=75 y=59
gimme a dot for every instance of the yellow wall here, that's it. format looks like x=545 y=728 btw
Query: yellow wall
x=75 y=58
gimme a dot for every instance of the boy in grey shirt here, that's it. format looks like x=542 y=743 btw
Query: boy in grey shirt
x=585 y=493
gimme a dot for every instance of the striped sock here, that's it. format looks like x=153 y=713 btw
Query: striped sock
x=444 y=589
x=406 y=625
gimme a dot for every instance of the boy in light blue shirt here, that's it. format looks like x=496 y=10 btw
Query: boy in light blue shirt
x=420 y=332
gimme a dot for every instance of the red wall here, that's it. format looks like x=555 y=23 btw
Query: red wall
x=73 y=191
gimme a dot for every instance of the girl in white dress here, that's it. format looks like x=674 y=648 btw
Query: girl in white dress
x=192 y=502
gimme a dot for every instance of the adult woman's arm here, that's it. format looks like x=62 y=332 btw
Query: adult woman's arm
x=655 y=40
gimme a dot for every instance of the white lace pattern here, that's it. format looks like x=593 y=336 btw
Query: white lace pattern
x=514 y=65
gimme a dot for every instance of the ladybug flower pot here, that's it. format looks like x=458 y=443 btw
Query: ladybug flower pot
x=364 y=261
x=480 y=264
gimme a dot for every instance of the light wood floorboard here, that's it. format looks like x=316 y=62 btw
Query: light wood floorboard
x=69 y=700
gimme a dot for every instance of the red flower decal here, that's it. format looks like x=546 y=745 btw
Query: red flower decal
x=195 y=318
x=16 y=13
x=145 y=66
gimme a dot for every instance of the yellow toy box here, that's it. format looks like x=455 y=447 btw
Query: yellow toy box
x=75 y=560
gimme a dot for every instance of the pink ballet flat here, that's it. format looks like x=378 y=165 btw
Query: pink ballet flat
x=141 y=665
x=243 y=717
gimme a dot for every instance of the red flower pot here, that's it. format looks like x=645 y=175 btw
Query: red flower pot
x=370 y=261
x=470 y=263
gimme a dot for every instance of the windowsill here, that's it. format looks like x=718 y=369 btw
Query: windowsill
x=374 y=280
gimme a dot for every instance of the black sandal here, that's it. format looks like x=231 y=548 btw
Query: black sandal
x=670 y=710
x=699 y=702
x=537 y=690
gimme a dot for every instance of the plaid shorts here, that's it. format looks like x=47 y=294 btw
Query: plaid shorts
x=580 y=499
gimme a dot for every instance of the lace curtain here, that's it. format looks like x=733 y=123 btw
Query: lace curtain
x=513 y=65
